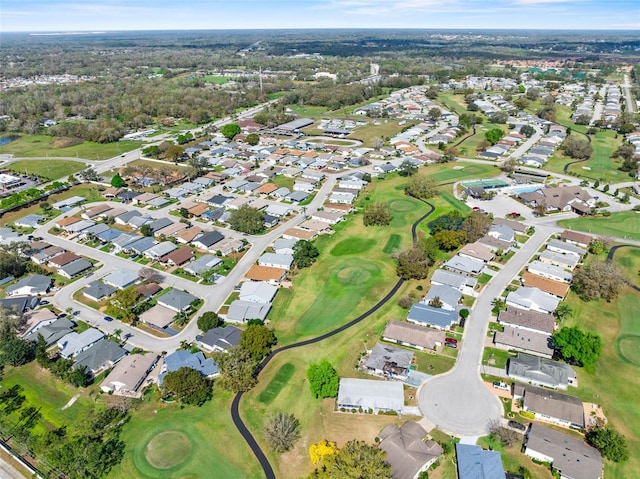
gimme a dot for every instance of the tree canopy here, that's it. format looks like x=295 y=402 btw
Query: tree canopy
x=413 y=263
x=230 y=130
x=407 y=168
x=609 y=442
x=247 y=220
x=356 y=460
x=323 y=379
x=493 y=135
x=281 y=430
x=577 y=346
x=117 y=181
x=257 y=340
x=420 y=186
x=209 y=320
x=188 y=386
x=237 y=368
x=305 y=253
x=252 y=139
x=376 y=214
x=597 y=280
x=576 y=147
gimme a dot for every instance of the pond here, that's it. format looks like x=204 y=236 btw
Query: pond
x=8 y=139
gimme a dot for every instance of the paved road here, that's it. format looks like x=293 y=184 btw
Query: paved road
x=213 y=296
x=457 y=402
x=522 y=149
x=7 y=471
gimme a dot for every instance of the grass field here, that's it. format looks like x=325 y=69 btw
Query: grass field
x=216 y=79
x=625 y=224
x=453 y=102
x=446 y=173
x=468 y=147
x=165 y=441
x=49 y=169
x=279 y=381
x=513 y=459
x=42 y=146
x=371 y=133
x=313 y=112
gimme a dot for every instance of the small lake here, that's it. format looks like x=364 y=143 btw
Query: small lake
x=7 y=139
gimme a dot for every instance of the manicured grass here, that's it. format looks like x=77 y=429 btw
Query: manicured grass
x=216 y=79
x=469 y=147
x=495 y=357
x=370 y=133
x=282 y=181
x=309 y=111
x=451 y=172
x=51 y=169
x=625 y=224
x=433 y=364
x=352 y=246
x=454 y=102
x=42 y=146
x=207 y=440
x=279 y=381
x=393 y=244
x=513 y=459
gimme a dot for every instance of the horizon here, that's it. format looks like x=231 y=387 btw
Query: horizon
x=80 y=16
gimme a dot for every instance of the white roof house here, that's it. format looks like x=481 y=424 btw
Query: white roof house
x=550 y=271
x=31 y=285
x=74 y=343
x=160 y=250
x=558 y=246
x=465 y=266
x=121 y=278
x=449 y=297
x=275 y=260
x=464 y=284
x=532 y=298
x=370 y=394
x=257 y=292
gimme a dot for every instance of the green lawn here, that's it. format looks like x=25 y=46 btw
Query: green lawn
x=282 y=181
x=370 y=133
x=513 y=459
x=308 y=111
x=216 y=79
x=468 y=147
x=49 y=169
x=279 y=381
x=42 y=146
x=495 y=357
x=451 y=172
x=625 y=224
x=211 y=446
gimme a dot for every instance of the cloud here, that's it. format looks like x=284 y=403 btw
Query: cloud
x=544 y=2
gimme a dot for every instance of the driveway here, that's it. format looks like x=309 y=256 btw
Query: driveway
x=458 y=402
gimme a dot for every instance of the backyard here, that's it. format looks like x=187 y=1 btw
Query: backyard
x=44 y=146
x=624 y=224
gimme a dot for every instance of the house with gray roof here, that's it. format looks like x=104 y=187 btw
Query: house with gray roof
x=138 y=221
x=541 y=372
x=219 y=339
x=242 y=311
x=371 y=394
x=74 y=343
x=176 y=300
x=121 y=278
x=275 y=260
x=413 y=336
x=129 y=374
x=448 y=296
x=532 y=299
x=429 y=316
x=464 y=284
x=297 y=196
x=186 y=359
x=558 y=246
x=389 y=362
x=570 y=457
x=94 y=230
x=78 y=226
x=202 y=264
x=32 y=285
x=280 y=192
x=464 y=266
x=124 y=218
x=52 y=332
x=551 y=406
x=29 y=221
x=208 y=240
x=158 y=224
x=69 y=203
x=159 y=250
x=284 y=245
x=73 y=269
x=141 y=245
x=97 y=291
x=100 y=356
x=407 y=451
x=257 y=292
x=533 y=342
x=473 y=462
x=549 y=271
x=567 y=261
x=502 y=232
x=121 y=241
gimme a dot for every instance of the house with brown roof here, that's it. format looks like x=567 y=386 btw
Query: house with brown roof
x=189 y=234
x=268 y=274
x=413 y=335
x=171 y=229
x=63 y=222
x=578 y=239
x=266 y=189
x=198 y=210
x=408 y=453
x=529 y=320
x=557 y=288
x=516 y=226
x=527 y=341
x=477 y=251
x=300 y=234
x=63 y=259
x=112 y=192
x=561 y=198
x=178 y=257
x=550 y=405
x=96 y=211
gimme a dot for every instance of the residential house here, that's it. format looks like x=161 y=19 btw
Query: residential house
x=271 y=275
x=389 y=362
x=284 y=246
x=159 y=250
x=516 y=226
x=566 y=261
x=35 y=320
x=97 y=291
x=124 y=218
x=550 y=271
x=219 y=339
x=473 y=462
x=279 y=210
x=186 y=359
x=331 y=217
x=96 y=211
x=297 y=196
x=571 y=458
x=141 y=245
x=158 y=316
x=556 y=288
x=464 y=266
x=449 y=297
x=579 y=239
x=100 y=356
x=157 y=225
x=257 y=292
x=300 y=234
x=177 y=300
x=370 y=394
x=241 y=311
x=74 y=343
x=51 y=332
x=532 y=299
x=464 y=284
x=122 y=241
x=63 y=259
x=129 y=374
x=529 y=320
x=148 y=290
x=202 y=264
x=29 y=221
x=477 y=251
x=502 y=232
x=121 y=278
x=178 y=257
x=435 y=317
x=407 y=451
x=551 y=406
x=541 y=372
x=563 y=198
x=207 y=240
x=561 y=247
x=71 y=270
x=138 y=222
x=524 y=340
x=188 y=234
x=495 y=244
x=33 y=285
x=413 y=336
x=275 y=260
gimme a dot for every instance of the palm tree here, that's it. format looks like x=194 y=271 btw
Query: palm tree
x=563 y=311
x=117 y=333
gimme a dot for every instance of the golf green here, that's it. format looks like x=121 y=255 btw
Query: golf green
x=167 y=450
x=353 y=275
x=629 y=347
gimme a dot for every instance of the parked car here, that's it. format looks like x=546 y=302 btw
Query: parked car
x=514 y=214
x=517 y=425
x=450 y=340
x=503 y=386
x=108 y=318
x=44 y=302
x=451 y=345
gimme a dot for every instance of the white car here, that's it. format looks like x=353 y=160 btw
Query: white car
x=503 y=386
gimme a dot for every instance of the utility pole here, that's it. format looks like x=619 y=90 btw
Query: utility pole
x=261 y=88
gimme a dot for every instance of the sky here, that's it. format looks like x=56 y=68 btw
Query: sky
x=118 y=15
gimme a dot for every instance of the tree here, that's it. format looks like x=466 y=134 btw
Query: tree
x=576 y=147
x=356 y=460
x=198 y=163
x=323 y=380
x=41 y=352
x=174 y=153
x=420 y=186
x=247 y=220
x=237 y=369
x=209 y=320
x=500 y=117
x=188 y=386
x=257 y=340
x=449 y=240
x=434 y=113
x=122 y=304
x=609 y=442
x=376 y=214
x=596 y=247
x=230 y=130
x=413 y=263
x=304 y=253
x=153 y=151
x=150 y=275
x=527 y=130
x=407 y=168
x=533 y=94
x=16 y=352
x=252 y=139
x=117 y=181
x=90 y=174
x=317 y=452
x=493 y=135
x=145 y=229
x=598 y=280
x=577 y=346
x=475 y=226
x=563 y=311
x=435 y=302
x=281 y=431
x=583 y=120
x=504 y=435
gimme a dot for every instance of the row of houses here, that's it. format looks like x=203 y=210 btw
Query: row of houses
x=540 y=152
x=65 y=263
